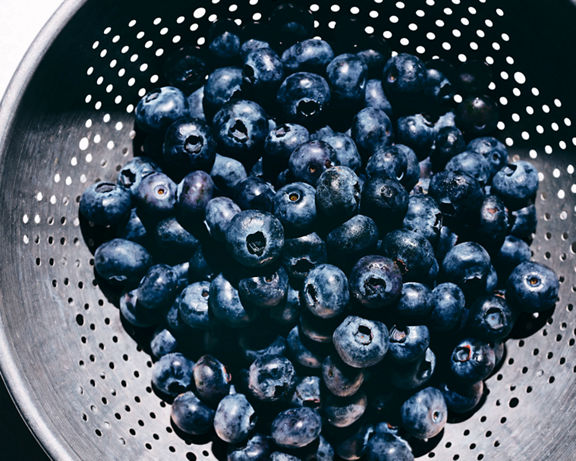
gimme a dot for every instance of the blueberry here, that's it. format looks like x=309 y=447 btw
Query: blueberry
x=225 y=304
x=258 y=345
x=173 y=242
x=218 y=214
x=532 y=287
x=341 y=379
x=424 y=414
x=385 y=201
x=271 y=378
x=523 y=222
x=172 y=374
x=234 y=419
x=516 y=184
x=156 y=196
x=301 y=254
x=296 y=427
x=157 y=289
x=211 y=379
x=196 y=104
x=397 y=162
x=193 y=194
x=192 y=304
x=493 y=222
x=447 y=307
x=252 y=44
x=375 y=282
x=345 y=148
x=159 y=108
x=287 y=312
x=255 y=193
x=414 y=303
x=303 y=98
x=121 y=262
x=344 y=411
x=388 y=447
x=473 y=76
x=512 y=252
x=408 y=343
x=279 y=144
x=105 y=204
x=309 y=160
x=291 y=23
x=438 y=88
x=495 y=153
x=223 y=40
x=472 y=164
x=317 y=330
x=257 y=448
x=264 y=290
x=446 y=241
x=404 y=79
x=189 y=145
x=281 y=456
x=374 y=96
x=132 y=172
x=448 y=142
x=163 y=342
x=350 y=443
x=477 y=115
x=412 y=253
x=371 y=129
x=346 y=74
x=307 y=392
x=325 y=292
x=490 y=318
x=359 y=342
x=131 y=312
x=471 y=360
x=227 y=173
x=310 y=55
x=413 y=375
x=191 y=415
x=467 y=265
x=338 y=193
x=263 y=70
x=424 y=217
x=300 y=351
x=352 y=239
x=295 y=207
x=184 y=68
x=240 y=128
x=462 y=399
x=222 y=85
x=417 y=132
x=133 y=229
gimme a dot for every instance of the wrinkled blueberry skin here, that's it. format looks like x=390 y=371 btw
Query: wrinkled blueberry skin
x=211 y=379
x=159 y=108
x=302 y=254
x=255 y=238
x=412 y=253
x=121 y=262
x=309 y=160
x=352 y=239
x=462 y=399
x=516 y=184
x=191 y=415
x=134 y=170
x=227 y=172
x=263 y=70
x=388 y=447
x=467 y=265
x=295 y=207
x=371 y=129
x=281 y=142
x=493 y=223
x=265 y=290
x=532 y=287
x=472 y=164
x=375 y=282
x=385 y=201
x=234 y=419
x=447 y=307
x=303 y=98
x=408 y=343
x=300 y=352
x=163 y=342
x=307 y=393
x=413 y=375
x=310 y=55
x=255 y=193
x=296 y=427
x=374 y=96
x=413 y=304
x=325 y=292
x=448 y=142
x=416 y=132
x=346 y=151
x=189 y=145
x=471 y=360
x=272 y=378
x=346 y=74
x=222 y=85
x=106 y=204
x=339 y=378
x=156 y=196
x=397 y=162
x=338 y=193
x=257 y=448
x=240 y=128
x=523 y=222
x=359 y=342
x=172 y=374
x=196 y=104
x=344 y=411
x=512 y=252
x=192 y=304
x=423 y=216
x=490 y=318
x=157 y=289
x=218 y=214
x=424 y=414
x=225 y=304
x=495 y=153
x=194 y=192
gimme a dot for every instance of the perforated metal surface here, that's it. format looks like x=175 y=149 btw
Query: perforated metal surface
x=82 y=381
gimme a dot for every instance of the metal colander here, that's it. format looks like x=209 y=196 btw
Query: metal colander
x=81 y=382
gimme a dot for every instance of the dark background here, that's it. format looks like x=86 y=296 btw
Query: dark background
x=547 y=34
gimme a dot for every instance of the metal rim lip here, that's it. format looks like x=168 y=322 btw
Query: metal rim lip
x=52 y=444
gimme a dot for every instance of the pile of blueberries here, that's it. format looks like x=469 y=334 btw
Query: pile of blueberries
x=324 y=251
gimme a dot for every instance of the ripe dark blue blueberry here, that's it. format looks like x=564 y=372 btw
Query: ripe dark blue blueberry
x=225 y=304
x=424 y=414
x=106 y=204
x=412 y=253
x=385 y=201
x=417 y=132
x=286 y=313
x=448 y=142
x=263 y=69
x=295 y=207
x=344 y=411
x=194 y=192
x=467 y=265
x=346 y=151
x=184 y=68
x=192 y=305
x=132 y=172
x=309 y=160
x=234 y=419
x=413 y=375
x=374 y=96
x=172 y=242
x=211 y=379
x=404 y=79
x=189 y=145
x=532 y=287
x=163 y=342
x=300 y=352
x=257 y=448
x=159 y=108
x=352 y=239
x=516 y=184
x=227 y=173
x=388 y=447
x=462 y=399
x=325 y=292
x=397 y=162
x=360 y=342
x=307 y=393
x=296 y=427
x=371 y=129
x=264 y=290
x=255 y=193
x=477 y=115
x=191 y=415
x=472 y=164
x=512 y=252
x=490 y=318
x=156 y=196
x=424 y=217
x=133 y=229
x=471 y=360
x=121 y=262
x=196 y=104
x=222 y=85
x=338 y=193
x=375 y=282
x=131 y=312
x=346 y=74
x=303 y=98
x=302 y=254
x=310 y=55
x=172 y=374
x=341 y=379
x=157 y=289
x=408 y=343
x=495 y=153
x=271 y=378
x=523 y=222
x=493 y=223
x=224 y=42
x=447 y=308
x=280 y=143
x=414 y=303
x=218 y=214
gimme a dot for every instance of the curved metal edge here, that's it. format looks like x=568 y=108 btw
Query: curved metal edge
x=11 y=375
